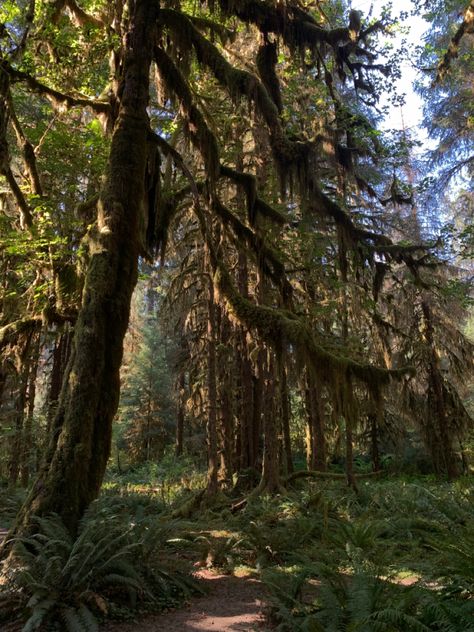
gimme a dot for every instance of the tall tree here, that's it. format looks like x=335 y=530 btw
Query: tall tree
x=306 y=182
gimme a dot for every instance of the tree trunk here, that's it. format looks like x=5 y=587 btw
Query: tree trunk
x=374 y=442
x=61 y=354
x=212 y=464
x=225 y=401
x=270 y=482
x=285 y=415
x=180 y=415
x=17 y=447
x=75 y=463
x=28 y=441
x=438 y=433
x=247 y=451
x=316 y=451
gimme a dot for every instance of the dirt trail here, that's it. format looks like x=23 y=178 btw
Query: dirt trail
x=233 y=604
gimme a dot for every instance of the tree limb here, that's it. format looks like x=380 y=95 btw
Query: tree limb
x=59 y=100
x=466 y=26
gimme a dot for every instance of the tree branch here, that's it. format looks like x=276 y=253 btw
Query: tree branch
x=59 y=100
x=466 y=26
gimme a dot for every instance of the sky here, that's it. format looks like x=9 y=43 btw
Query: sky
x=410 y=115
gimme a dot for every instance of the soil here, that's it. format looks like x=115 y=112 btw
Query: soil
x=232 y=604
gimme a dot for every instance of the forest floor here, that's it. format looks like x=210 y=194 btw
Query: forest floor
x=232 y=604
x=402 y=549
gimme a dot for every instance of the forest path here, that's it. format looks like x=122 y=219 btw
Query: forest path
x=233 y=604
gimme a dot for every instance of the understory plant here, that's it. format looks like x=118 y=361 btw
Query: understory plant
x=109 y=570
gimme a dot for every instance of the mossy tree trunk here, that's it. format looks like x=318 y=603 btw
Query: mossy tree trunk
x=180 y=413
x=374 y=442
x=316 y=449
x=439 y=434
x=285 y=415
x=226 y=407
x=20 y=399
x=76 y=459
x=212 y=454
x=270 y=481
x=28 y=442
x=61 y=354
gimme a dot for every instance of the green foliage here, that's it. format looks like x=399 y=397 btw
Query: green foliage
x=353 y=575
x=166 y=480
x=76 y=582
x=10 y=502
x=146 y=410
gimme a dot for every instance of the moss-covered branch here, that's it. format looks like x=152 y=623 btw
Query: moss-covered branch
x=26 y=218
x=255 y=204
x=78 y=16
x=27 y=150
x=466 y=27
x=289 y=154
x=275 y=325
x=296 y=26
x=239 y=83
x=58 y=99
x=267 y=259
x=9 y=333
x=198 y=130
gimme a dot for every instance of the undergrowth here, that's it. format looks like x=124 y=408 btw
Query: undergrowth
x=396 y=556
x=114 y=567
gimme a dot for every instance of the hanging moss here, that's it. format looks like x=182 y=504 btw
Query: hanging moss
x=266 y=61
x=197 y=128
x=10 y=333
x=67 y=286
x=275 y=324
x=239 y=83
x=215 y=29
x=254 y=204
x=59 y=100
x=267 y=259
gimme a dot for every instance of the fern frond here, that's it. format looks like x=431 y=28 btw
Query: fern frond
x=38 y=615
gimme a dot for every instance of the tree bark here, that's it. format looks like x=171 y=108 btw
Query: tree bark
x=316 y=450
x=28 y=442
x=374 y=442
x=75 y=463
x=285 y=416
x=212 y=463
x=17 y=446
x=180 y=415
x=270 y=482
x=225 y=402
x=439 y=437
x=61 y=354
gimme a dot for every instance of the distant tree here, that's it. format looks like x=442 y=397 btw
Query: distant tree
x=147 y=410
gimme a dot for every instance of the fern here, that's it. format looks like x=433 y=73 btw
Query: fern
x=75 y=581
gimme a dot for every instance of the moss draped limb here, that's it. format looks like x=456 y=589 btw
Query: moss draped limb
x=267 y=258
x=255 y=204
x=200 y=134
x=238 y=82
x=58 y=99
x=275 y=325
x=10 y=333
